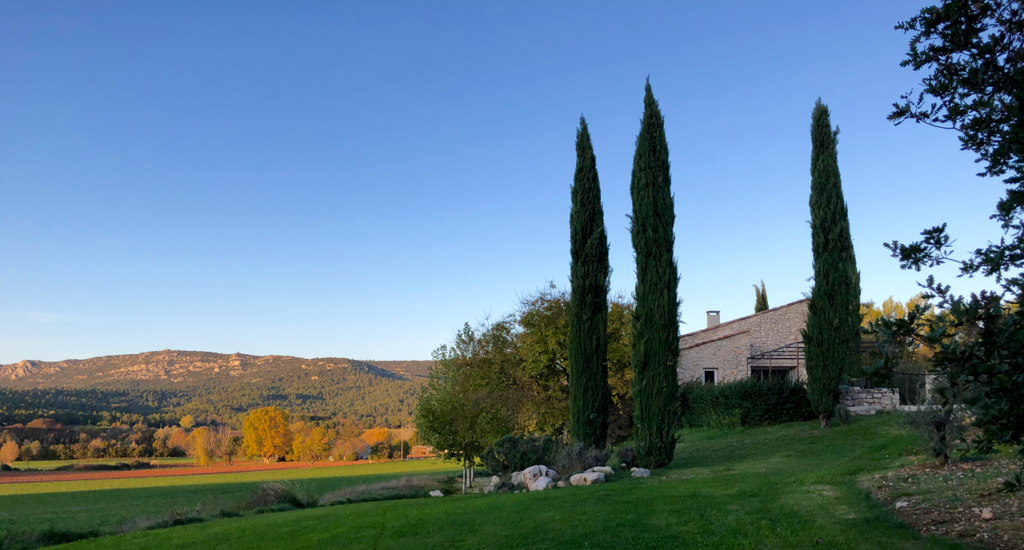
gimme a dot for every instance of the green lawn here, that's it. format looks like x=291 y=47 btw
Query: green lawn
x=106 y=504
x=791 y=486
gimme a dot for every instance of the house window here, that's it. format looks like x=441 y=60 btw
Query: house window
x=765 y=374
x=711 y=376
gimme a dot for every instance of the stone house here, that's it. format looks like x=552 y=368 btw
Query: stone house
x=765 y=344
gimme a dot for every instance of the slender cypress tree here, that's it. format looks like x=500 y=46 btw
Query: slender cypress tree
x=760 y=298
x=655 y=329
x=588 y=302
x=833 y=317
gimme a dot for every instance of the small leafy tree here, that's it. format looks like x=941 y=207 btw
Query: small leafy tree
x=973 y=58
x=187 y=422
x=458 y=412
x=266 y=433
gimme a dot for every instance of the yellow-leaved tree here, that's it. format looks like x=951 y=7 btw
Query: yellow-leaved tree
x=202 y=446
x=266 y=433
x=310 y=443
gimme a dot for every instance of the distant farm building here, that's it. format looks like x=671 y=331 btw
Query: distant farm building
x=421 y=451
x=762 y=345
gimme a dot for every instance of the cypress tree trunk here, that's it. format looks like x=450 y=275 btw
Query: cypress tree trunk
x=655 y=328
x=833 y=318
x=588 y=302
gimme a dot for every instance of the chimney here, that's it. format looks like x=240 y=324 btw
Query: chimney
x=714 y=318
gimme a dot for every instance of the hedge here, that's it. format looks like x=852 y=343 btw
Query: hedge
x=746 y=402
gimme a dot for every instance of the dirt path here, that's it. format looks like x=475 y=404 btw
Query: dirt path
x=165 y=471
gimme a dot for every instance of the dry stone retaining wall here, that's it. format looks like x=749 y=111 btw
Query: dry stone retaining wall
x=869 y=401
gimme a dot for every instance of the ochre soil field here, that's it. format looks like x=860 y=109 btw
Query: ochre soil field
x=163 y=471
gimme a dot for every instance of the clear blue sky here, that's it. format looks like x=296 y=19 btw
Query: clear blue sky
x=326 y=179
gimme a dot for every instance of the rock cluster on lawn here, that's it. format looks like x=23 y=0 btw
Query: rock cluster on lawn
x=535 y=478
x=587 y=478
x=640 y=472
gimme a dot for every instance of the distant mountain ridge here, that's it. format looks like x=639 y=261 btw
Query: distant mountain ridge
x=174 y=382
x=187 y=367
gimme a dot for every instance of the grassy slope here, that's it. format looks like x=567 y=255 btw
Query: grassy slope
x=781 y=487
x=106 y=504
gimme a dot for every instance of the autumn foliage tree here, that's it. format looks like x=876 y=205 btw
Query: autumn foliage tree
x=202 y=446
x=266 y=433
x=310 y=443
x=9 y=453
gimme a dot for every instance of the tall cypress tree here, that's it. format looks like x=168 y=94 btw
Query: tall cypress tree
x=833 y=317
x=588 y=303
x=655 y=329
x=760 y=298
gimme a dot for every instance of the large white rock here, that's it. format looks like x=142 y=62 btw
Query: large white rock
x=587 y=478
x=517 y=478
x=495 y=480
x=640 y=472
x=542 y=483
x=603 y=469
x=534 y=473
x=436 y=494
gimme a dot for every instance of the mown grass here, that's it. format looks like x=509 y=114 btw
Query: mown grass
x=790 y=486
x=101 y=505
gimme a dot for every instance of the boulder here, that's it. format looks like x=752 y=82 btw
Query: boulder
x=640 y=472
x=542 y=483
x=436 y=494
x=562 y=484
x=987 y=514
x=587 y=478
x=495 y=480
x=533 y=473
x=603 y=469
x=517 y=478
x=489 y=489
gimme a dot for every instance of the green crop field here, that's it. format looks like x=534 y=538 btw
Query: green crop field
x=105 y=504
x=51 y=464
x=791 y=486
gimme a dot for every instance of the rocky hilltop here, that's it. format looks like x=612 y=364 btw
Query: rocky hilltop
x=175 y=368
x=174 y=382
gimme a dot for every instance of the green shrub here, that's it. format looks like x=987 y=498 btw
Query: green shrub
x=746 y=402
x=513 y=453
x=627 y=455
x=297 y=494
x=575 y=458
x=841 y=415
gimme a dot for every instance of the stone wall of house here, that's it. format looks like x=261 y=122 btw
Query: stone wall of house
x=868 y=401
x=725 y=347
